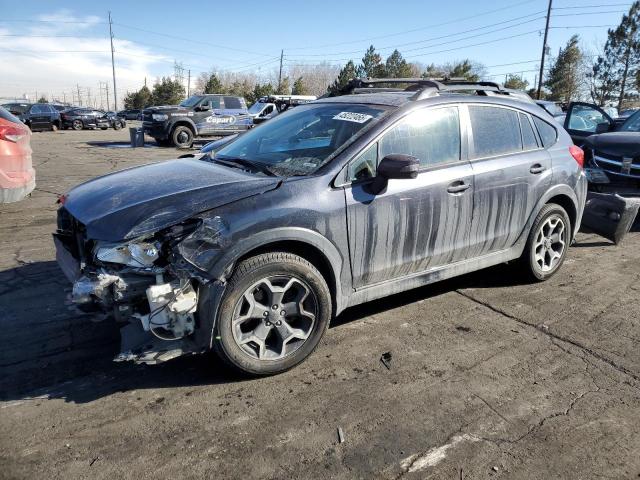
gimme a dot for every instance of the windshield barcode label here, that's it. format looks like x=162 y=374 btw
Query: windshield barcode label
x=352 y=117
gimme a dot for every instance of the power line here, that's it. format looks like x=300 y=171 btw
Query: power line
x=441 y=37
x=425 y=27
x=175 y=37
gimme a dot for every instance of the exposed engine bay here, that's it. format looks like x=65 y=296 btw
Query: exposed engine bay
x=156 y=285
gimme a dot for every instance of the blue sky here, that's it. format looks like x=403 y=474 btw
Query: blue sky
x=46 y=50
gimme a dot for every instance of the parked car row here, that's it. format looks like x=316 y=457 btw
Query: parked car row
x=44 y=116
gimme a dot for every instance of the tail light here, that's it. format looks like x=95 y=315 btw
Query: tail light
x=12 y=133
x=578 y=155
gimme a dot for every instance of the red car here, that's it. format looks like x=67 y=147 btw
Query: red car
x=17 y=176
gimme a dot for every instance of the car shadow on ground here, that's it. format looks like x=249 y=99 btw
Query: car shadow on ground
x=81 y=370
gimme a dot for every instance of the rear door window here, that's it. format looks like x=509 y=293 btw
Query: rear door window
x=548 y=134
x=496 y=131
x=431 y=135
x=529 y=141
x=37 y=109
x=232 y=103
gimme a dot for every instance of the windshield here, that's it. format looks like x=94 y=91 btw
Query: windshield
x=256 y=107
x=632 y=124
x=191 y=101
x=17 y=107
x=301 y=140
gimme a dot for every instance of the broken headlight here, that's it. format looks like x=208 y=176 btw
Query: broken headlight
x=133 y=254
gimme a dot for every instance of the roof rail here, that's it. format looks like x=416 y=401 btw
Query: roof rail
x=366 y=85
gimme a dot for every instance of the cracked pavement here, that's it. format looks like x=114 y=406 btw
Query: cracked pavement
x=490 y=377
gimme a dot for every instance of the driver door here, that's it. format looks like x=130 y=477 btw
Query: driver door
x=585 y=119
x=417 y=224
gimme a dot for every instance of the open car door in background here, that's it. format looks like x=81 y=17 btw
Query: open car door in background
x=585 y=119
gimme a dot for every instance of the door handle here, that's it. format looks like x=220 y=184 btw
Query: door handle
x=537 y=168
x=458 y=186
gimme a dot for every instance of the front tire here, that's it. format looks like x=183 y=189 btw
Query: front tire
x=273 y=314
x=548 y=242
x=117 y=126
x=182 y=137
x=77 y=125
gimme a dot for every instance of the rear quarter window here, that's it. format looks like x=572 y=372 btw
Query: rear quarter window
x=548 y=133
x=496 y=131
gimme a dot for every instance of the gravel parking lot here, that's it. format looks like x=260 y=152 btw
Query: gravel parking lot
x=489 y=377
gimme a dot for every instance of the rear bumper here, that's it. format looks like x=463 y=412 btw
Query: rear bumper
x=14 y=188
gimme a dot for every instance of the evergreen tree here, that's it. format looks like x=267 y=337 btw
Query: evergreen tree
x=213 y=85
x=260 y=91
x=564 y=75
x=347 y=73
x=396 y=66
x=517 y=82
x=299 y=87
x=372 y=66
x=167 y=92
x=138 y=100
x=42 y=99
x=622 y=49
x=603 y=80
x=284 y=88
x=465 y=69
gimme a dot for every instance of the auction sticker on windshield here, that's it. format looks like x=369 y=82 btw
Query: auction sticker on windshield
x=352 y=117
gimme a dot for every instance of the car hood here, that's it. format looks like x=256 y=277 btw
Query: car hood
x=616 y=144
x=166 y=108
x=142 y=200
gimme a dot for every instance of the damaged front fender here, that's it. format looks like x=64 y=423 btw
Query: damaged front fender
x=202 y=247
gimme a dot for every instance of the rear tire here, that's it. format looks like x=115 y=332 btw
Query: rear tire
x=54 y=127
x=117 y=126
x=273 y=314
x=548 y=242
x=182 y=137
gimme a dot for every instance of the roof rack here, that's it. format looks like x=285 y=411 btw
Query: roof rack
x=425 y=87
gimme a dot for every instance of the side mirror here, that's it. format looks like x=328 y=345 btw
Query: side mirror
x=394 y=166
x=204 y=108
x=602 y=127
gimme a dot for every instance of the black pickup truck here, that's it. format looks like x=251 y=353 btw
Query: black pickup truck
x=198 y=116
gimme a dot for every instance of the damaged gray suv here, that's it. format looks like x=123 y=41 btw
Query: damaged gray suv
x=251 y=251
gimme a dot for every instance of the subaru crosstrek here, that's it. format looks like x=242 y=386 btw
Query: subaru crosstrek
x=253 y=251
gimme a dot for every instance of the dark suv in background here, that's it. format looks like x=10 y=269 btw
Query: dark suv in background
x=36 y=116
x=199 y=116
x=252 y=251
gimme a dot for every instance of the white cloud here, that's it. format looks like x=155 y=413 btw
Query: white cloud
x=54 y=66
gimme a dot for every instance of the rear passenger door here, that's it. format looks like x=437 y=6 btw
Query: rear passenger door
x=511 y=171
x=415 y=224
x=39 y=117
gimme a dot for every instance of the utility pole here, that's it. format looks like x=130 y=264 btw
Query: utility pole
x=79 y=98
x=113 y=66
x=188 y=83
x=544 y=50
x=106 y=87
x=280 y=76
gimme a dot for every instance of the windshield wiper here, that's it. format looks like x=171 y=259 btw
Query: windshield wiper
x=243 y=162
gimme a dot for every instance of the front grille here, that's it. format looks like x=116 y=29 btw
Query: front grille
x=618 y=165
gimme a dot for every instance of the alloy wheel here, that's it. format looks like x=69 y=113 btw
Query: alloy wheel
x=550 y=243
x=274 y=317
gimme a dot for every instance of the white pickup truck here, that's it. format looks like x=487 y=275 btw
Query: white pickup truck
x=269 y=106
